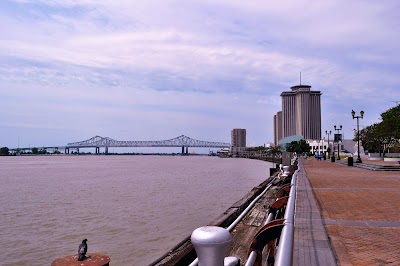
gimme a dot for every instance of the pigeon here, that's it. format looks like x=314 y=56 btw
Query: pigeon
x=82 y=250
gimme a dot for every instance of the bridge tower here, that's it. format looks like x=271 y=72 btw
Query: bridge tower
x=183 y=150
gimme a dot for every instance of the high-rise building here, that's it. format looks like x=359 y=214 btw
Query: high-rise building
x=238 y=137
x=277 y=127
x=301 y=113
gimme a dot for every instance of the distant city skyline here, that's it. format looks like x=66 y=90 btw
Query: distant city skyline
x=153 y=70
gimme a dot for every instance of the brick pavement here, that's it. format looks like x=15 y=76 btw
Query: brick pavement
x=359 y=210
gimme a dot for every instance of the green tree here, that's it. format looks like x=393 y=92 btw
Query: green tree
x=275 y=150
x=259 y=148
x=393 y=115
x=299 y=147
x=304 y=146
x=4 y=151
x=370 y=138
x=292 y=146
x=35 y=150
x=380 y=136
x=387 y=133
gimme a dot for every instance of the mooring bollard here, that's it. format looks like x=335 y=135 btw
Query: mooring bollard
x=286 y=170
x=211 y=244
x=92 y=259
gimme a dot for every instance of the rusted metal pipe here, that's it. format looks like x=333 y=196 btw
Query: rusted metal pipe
x=92 y=259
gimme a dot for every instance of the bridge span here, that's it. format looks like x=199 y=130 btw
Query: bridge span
x=182 y=141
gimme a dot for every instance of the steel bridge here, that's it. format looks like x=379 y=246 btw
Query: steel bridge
x=182 y=141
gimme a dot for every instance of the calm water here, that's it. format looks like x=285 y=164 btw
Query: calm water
x=132 y=208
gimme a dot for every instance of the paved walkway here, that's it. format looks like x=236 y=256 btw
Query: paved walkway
x=347 y=213
x=311 y=244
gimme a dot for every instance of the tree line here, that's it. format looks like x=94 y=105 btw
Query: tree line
x=382 y=136
x=4 y=151
x=298 y=147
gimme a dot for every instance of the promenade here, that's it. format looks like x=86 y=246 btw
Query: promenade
x=346 y=215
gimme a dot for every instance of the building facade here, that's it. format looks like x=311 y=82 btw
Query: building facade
x=301 y=113
x=277 y=127
x=238 y=137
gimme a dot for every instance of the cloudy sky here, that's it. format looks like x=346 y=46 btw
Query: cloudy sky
x=154 y=70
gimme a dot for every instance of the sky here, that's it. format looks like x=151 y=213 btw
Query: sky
x=155 y=70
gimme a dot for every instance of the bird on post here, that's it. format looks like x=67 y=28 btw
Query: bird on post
x=82 y=250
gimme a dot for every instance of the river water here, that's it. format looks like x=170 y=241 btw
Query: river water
x=132 y=208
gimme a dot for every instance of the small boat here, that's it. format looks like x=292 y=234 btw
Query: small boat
x=224 y=153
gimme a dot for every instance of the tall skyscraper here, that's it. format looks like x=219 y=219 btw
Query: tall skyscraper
x=238 y=137
x=301 y=113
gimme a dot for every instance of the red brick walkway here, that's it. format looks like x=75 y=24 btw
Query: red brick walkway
x=360 y=209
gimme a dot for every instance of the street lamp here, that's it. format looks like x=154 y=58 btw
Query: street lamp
x=328 y=133
x=358 y=133
x=321 y=147
x=338 y=140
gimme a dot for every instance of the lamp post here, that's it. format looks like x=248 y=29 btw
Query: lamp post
x=322 y=145
x=338 y=141
x=358 y=133
x=328 y=133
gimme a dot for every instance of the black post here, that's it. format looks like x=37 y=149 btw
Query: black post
x=358 y=143
x=358 y=133
x=328 y=133
x=338 y=141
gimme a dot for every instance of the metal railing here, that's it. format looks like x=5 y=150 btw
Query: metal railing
x=284 y=254
x=278 y=228
x=241 y=216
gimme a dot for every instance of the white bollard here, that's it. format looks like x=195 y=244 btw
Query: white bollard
x=231 y=261
x=211 y=244
x=286 y=170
